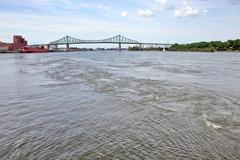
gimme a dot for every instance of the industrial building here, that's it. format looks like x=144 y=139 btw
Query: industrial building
x=18 y=42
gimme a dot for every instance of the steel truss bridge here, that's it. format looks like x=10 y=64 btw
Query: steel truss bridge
x=67 y=40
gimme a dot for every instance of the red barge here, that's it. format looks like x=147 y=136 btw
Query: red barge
x=33 y=50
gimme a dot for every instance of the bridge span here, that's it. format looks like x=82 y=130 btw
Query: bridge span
x=119 y=40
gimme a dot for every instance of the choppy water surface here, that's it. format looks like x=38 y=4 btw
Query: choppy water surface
x=112 y=105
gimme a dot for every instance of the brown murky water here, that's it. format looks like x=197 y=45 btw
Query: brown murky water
x=120 y=105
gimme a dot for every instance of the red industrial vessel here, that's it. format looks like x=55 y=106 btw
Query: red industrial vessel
x=33 y=50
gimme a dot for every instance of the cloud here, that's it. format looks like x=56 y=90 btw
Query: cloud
x=234 y=2
x=186 y=10
x=103 y=7
x=205 y=11
x=145 y=13
x=35 y=2
x=161 y=4
x=124 y=14
x=59 y=5
x=44 y=29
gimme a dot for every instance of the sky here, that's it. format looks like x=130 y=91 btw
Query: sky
x=163 y=21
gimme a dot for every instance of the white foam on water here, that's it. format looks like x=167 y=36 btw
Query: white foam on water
x=210 y=124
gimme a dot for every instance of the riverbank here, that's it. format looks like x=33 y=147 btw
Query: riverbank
x=213 y=46
x=8 y=52
x=136 y=48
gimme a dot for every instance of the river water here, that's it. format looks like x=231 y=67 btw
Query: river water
x=120 y=105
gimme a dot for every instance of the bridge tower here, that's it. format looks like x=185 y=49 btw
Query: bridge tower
x=67 y=44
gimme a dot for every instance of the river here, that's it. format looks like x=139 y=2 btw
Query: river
x=120 y=105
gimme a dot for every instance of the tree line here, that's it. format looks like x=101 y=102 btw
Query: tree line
x=136 y=48
x=230 y=45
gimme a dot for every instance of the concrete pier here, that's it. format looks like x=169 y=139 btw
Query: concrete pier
x=120 y=47
x=67 y=47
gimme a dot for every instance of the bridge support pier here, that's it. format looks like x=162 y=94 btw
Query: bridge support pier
x=119 y=46
x=48 y=46
x=140 y=47
x=67 y=47
x=56 y=47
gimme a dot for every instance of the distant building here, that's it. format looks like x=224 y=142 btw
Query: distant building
x=4 y=46
x=18 y=42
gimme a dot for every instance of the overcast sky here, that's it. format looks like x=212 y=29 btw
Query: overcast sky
x=182 y=21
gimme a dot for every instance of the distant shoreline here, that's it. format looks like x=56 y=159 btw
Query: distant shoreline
x=230 y=52
x=213 y=46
